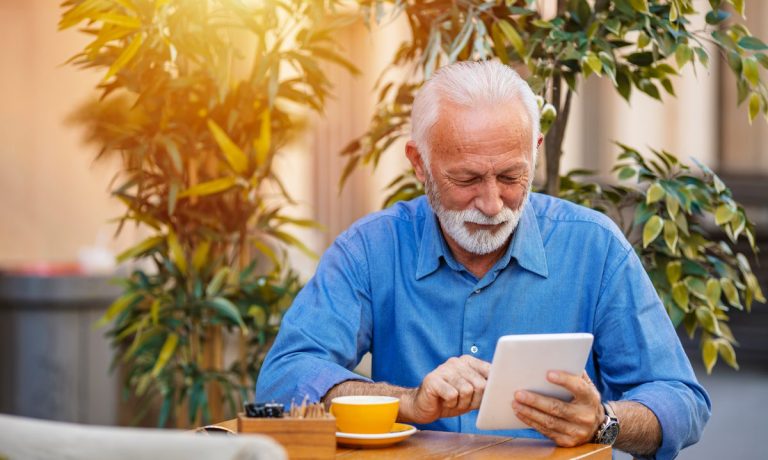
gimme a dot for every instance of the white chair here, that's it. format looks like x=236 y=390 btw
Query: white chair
x=24 y=438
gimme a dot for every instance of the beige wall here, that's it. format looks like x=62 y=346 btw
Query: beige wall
x=53 y=199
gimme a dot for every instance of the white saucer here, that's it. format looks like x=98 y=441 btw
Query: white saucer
x=400 y=431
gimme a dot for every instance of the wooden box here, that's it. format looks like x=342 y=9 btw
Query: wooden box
x=301 y=437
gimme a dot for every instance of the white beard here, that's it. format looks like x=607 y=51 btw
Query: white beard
x=479 y=241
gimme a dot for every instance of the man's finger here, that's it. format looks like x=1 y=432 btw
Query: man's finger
x=545 y=404
x=575 y=384
x=482 y=367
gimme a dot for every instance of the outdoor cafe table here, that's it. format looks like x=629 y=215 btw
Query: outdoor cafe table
x=440 y=444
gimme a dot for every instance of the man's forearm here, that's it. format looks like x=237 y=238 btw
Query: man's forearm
x=355 y=387
x=640 y=429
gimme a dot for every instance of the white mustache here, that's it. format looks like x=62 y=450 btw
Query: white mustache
x=476 y=217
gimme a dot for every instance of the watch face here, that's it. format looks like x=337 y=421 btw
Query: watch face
x=609 y=433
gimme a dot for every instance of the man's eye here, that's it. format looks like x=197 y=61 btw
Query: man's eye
x=468 y=181
x=509 y=179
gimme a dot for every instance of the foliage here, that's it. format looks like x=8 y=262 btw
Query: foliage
x=638 y=45
x=665 y=217
x=197 y=123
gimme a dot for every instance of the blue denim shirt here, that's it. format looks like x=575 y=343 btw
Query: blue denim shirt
x=390 y=285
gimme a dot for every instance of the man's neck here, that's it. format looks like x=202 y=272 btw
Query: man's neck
x=477 y=264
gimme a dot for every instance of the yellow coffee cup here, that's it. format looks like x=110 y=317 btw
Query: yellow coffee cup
x=365 y=414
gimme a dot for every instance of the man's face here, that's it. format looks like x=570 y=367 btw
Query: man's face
x=480 y=174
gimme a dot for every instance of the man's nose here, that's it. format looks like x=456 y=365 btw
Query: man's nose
x=489 y=201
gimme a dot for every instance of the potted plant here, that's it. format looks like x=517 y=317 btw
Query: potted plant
x=197 y=100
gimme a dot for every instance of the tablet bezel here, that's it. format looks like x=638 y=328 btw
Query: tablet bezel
x=521 y=362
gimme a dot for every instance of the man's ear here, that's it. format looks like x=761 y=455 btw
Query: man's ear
x=413 y=156
x=541 y=139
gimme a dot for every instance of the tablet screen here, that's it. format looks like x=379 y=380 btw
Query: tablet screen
x=521 y=362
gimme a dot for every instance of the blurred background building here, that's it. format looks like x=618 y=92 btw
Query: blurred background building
x=55 y=201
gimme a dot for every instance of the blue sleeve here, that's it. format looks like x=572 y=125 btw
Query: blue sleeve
x=640 y=358
x=326 y=331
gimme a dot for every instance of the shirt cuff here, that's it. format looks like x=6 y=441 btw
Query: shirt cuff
x=317 y=383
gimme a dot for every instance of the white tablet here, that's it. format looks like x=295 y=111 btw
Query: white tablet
x=521 y=362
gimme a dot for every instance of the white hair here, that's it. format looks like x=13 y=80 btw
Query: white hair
x=471 y=84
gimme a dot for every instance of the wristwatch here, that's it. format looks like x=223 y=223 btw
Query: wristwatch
x=609 y=429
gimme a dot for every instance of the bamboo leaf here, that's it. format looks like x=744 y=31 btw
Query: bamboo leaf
x=293 y=241
x=513 y=37
x=228 y=310
x=652 y=229
x=214 y=287
x=154 y=311
x=210 y=187
x=176 y=252
x=117 y=307
x=120 y=20
x=165 y=353
x=125 y=57
x=264 y=142
x=200 y=256
x=141 y=248
x=235 y=157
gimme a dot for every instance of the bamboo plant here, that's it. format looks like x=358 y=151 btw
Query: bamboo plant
x=638 y=45
x=197 y=99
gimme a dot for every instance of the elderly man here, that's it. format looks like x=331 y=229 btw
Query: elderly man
x=428 y=286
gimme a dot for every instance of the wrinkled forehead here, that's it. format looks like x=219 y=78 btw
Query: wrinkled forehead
x=494 y=123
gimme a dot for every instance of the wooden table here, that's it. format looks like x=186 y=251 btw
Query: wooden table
x=440 y=445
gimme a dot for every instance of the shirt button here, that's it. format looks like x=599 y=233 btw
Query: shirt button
x=477 y=291
x=473 y=349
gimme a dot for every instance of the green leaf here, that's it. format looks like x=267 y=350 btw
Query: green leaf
x=670 y=235
x=724 y=214
x=228 y=310
x=626 y=172
x=639 y=5
x=750 y=70
x=235 y=157
x=125 y=57
x=696 y=287
x=652 y=229
x=683 y=55
x=752 y=43
x=210 y=187
x=654 y=194
x=593 y=62
x=165 y=353
x=730 y=292
x=713 y=292
x=680 y=295
x=512 y=36
x=709 y=354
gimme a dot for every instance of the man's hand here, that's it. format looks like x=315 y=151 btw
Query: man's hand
x=452 y=389
x=567 y=423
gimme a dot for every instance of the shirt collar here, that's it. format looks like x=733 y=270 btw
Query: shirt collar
x=526 y=247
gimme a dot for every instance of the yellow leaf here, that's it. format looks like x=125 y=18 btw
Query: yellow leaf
x=154 y=311
x=513 y=37
x=754 y=106
x=713 y=292
x=176 y=252
x=655 y=193
x=594 y=62
x=680 y=295
x=84 y=10
x=116 y=308
x=730 y=292
x=709 y=354
x=750 y=70
x=126 y=56
x=728 y=353
x=264 y=141
x=165 y=353
x=235 y=157
x=724 y=214
x=120 y=20
x=200 y=256
x=140 y=248
x=210 y=187
x=674 y=271
x=652 y=229
x=670 y=235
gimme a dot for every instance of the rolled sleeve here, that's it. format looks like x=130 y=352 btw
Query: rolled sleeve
x=324 y=334
x=641 y=359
